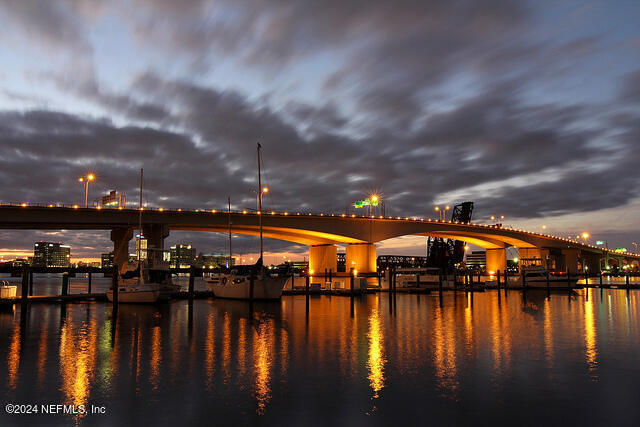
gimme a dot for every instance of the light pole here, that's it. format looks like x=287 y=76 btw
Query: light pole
x=635 y=245
x=86 y=179
x=442 y=213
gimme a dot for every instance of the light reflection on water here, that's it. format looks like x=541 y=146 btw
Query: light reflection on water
x=383 y=359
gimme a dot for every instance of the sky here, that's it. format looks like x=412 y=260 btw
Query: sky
x=530 y=109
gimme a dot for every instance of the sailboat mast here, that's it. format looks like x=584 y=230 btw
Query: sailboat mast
x=260 y=201
x=139 y=242
x=229 y=219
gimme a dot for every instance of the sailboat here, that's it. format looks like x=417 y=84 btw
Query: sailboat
x=248 y=282
x=137 y=281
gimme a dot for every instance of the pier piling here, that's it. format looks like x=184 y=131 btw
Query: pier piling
x=498 y=279
x=25 y=284
x=192 y=282
x=30 y=282
x=114 y=284
x=89 y=283
x=65 y=283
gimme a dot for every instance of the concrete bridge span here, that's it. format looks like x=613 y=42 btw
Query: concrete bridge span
x=321 y=232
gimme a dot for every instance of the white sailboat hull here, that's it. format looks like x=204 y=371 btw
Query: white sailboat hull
x=137 y=294
x=264 y=288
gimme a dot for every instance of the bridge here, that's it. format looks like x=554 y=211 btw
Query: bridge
x=321 y=232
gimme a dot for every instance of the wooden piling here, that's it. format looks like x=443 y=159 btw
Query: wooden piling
x=89 y=283
x=114 y=284
x=418 y=280
x=293 y=278
x=506 y=279
x=601 y=280
x=498 y=278
x=330 y=279
x=586 y=278
x=568 y=279
x=351 y=281
x=25 y=284
x=30 y=282
x=252 y=278
x=192 y=283
x=65 y=283
x=626 y=280
x=306 y=285
x=524 y=279
x=548 y=284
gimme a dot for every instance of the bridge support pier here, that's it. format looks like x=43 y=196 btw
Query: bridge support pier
x=592 y=262
x=361 y=257
x=323 y=257
x=496 y=260
x=155 y=235
x=570 y=260
x=120 y=238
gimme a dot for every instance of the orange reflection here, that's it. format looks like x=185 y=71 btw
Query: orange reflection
x=156 y=357
x=376 y=359
x=226 y=347
x=210 y=351
x=77 y=361
x=13 y=358
x=263 y=360
x=591 y=351
x=445 y=351
x=242 y=346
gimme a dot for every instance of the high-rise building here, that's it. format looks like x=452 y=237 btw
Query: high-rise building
x=477 y=259
x=51 y=254
x=107 y=260
x=182 y=256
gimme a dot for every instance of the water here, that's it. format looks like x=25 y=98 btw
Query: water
x=484 y=358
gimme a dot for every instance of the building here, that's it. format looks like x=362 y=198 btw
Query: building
x=113 y=200
x=141 y=245
x=476 y=259
x=107 y=260
x=51 y=254
x=182 y=256
x=214 y=260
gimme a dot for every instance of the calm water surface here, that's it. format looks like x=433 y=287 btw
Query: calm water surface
x=487 y=358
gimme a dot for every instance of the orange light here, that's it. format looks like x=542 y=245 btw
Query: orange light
x=213 y=211
x=80 y=179
x=98 y=207
x=91 y=177
x=161 y=209
x=179 y=210
x=265 y=189
x=244 y=212
x=75 y=206
x=24 y=205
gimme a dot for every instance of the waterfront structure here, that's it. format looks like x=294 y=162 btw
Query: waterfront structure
x=321 y=232
x=51 y=254
x=182 y=256
x=107 y=260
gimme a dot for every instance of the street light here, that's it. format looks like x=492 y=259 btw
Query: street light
x=442 y=212
x=86 y=180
